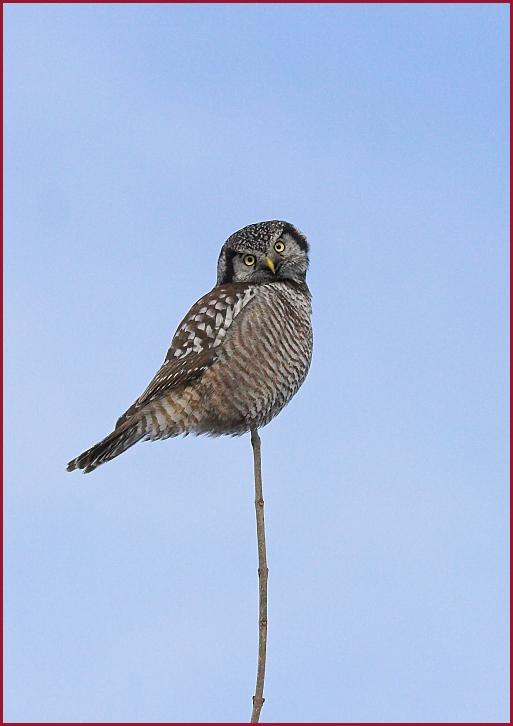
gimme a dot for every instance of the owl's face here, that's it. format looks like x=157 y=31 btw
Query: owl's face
x=264 y=252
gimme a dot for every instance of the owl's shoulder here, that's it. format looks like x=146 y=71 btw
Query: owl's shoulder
x=208 y=320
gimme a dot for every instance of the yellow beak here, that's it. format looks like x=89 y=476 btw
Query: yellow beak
x=270 y=265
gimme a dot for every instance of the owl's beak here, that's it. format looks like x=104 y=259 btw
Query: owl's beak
x=270 y=264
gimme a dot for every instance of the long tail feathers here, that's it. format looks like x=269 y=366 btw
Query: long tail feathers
x=111 y=446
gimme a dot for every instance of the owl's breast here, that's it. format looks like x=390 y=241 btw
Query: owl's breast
x=262 y=363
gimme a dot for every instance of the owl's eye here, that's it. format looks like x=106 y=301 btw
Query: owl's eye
x=279 y=246
x=249 y=260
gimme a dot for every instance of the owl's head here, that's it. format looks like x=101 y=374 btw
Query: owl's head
x=264 y=252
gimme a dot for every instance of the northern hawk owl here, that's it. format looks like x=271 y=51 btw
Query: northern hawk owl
x=239 y=355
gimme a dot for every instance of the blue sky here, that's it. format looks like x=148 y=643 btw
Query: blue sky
x=137 y=138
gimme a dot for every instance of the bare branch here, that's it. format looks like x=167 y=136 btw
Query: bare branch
x=258 y=698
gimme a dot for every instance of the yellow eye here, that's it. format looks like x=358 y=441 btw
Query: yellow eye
x=249 y=260
x=279 y=246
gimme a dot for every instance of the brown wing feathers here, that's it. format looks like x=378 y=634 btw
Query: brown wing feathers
x=194 y=348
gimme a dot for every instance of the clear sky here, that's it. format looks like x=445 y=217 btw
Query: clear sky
x=137 y=138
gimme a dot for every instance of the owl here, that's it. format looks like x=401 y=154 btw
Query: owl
x=238 y=356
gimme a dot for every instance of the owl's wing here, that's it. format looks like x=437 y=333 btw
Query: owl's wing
x=196 y=343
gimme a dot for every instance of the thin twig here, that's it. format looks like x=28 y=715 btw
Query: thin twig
x=258 y=698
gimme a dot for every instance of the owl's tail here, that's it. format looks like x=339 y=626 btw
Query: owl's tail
x=121 y=439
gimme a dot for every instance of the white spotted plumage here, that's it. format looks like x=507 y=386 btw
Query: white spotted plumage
x=207 y=322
